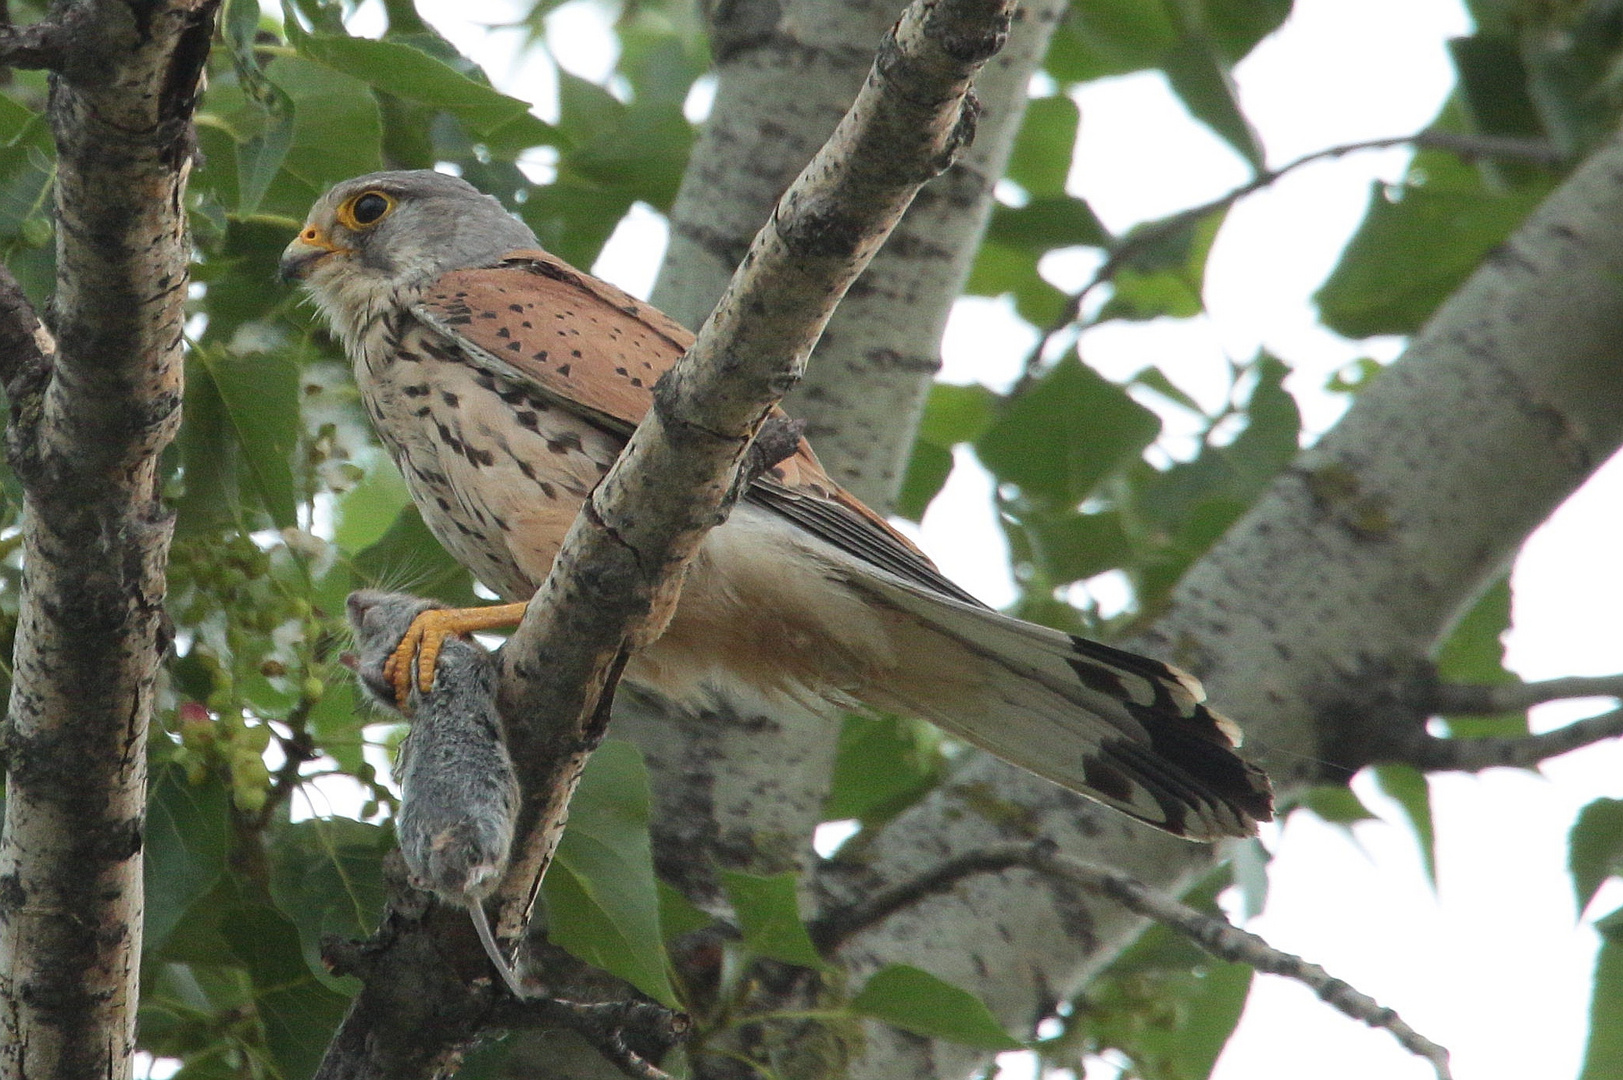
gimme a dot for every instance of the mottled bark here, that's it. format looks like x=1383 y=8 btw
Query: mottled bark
x=621 y=564
x=86 y=430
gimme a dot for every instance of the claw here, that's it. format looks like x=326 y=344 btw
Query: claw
x=419 y=650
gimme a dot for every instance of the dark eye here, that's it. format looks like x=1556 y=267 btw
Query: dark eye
x=369 y=207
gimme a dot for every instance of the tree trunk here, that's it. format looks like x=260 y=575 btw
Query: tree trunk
x=88 y=425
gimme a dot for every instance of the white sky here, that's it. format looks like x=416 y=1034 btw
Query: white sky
x=1493 y=964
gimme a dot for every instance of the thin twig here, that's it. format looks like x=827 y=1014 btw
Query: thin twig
x=835 y=928
x=1212 y=933
x=1432 y=754
x=1473 y=700
x=1465 y=145
x=1228 y=942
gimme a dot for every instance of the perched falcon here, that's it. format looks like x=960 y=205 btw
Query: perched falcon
x=504 y=382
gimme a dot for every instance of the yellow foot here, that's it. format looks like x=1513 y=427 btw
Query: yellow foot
x=419 y=650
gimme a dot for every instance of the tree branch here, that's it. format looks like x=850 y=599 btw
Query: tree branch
x=618 y=572
x=85 y=438
x=1480 y=700
x=1467 y=146
x=1212 y=933
x=41 y=45
x=1432 y=754
x=1228 y=942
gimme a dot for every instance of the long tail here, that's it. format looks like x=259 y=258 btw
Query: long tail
x=1126 y=730
x=481 y=924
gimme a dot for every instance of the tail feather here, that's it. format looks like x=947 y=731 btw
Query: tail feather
x=1126 y=730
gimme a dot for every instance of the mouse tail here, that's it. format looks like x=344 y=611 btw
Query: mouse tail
x=488 y=940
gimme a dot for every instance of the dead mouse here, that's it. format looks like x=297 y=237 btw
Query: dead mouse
x=459 y=795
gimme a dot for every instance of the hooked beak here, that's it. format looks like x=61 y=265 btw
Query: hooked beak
x=306 y=250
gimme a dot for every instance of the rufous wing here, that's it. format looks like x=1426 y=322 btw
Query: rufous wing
x=536 y=321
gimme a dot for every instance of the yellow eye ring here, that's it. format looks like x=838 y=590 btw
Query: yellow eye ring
x=365 y=210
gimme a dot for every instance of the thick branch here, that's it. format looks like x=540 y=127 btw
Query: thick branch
x=84 y=440
x=616 y=577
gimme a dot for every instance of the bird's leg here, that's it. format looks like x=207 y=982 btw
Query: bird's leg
x=419 y=650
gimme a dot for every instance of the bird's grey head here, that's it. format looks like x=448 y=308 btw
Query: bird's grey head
x=374 y=242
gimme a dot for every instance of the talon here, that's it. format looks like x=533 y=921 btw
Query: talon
x=419 y=649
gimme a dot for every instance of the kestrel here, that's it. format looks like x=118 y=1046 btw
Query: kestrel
x=504 y=382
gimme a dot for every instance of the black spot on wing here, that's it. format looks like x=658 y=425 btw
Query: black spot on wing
x=1188 y=745
x=1107 y=779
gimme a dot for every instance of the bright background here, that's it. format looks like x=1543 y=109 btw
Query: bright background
x=1494 y=963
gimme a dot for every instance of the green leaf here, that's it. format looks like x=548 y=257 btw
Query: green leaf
x=1069 y=546
x=501 y=121
x=1411 y=790
x=927 y=472
x=408 y=557
x=1164 y=270
x=998 y=270
x=1416 y=246
x=1475 y=654
x=957 y=414
x=16 y=120
x=261 y=397
x=1156 y=380
x=1236 y=26
x=1595 y=848
x=952 y=415
x=187 y=840
x=678 y=915
x=883 y=765
x=1065 y=434
x=1273 y=430
x=337 y=131
x=768 y=910
x=916 y=1001
x=260 y=159
x=1212 y=1013
x=366 y=511
x=299 y=1014
x=602 y=899
x=1201 y=78
x=1572 y=75
x=573 y=218
x=1493 y=85
x=327 y=878
x=1041 y=158
x=643 y=155
x=1046 y=224
x=1097 y=38
x=1336 y=804
x=1603 y=1056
